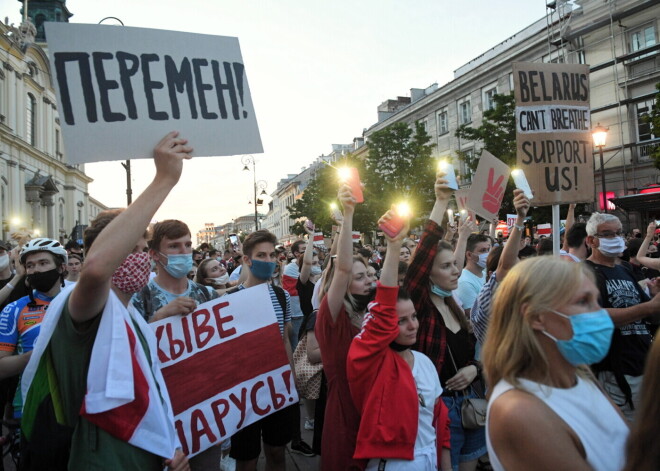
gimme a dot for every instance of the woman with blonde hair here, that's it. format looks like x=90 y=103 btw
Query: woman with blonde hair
x=546 y=410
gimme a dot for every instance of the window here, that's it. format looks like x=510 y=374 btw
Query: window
x=643 y=110
x=466 y=161
x=443 y=122
x=58 y=152
x=30 y=119
x=488 y=94
x=641 y=38
x=464 y=111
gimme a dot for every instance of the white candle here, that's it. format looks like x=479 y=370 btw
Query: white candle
x=521 y=182
x=450 y=174
x=450 y=216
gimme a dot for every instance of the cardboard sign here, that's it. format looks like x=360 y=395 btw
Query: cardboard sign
x=122 y=89
x=488 y=185
x=225 y=367
x=553 y=131
x=462 y=199
x=511 y=219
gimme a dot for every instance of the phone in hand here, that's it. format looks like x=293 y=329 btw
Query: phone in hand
x=233 y=238
x=309 y=225
x=398 y=220
x=351 y=176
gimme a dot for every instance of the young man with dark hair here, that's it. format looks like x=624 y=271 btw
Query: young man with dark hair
x=259 y=259
x=170 y=292
x=576 y=241
x=473 y=276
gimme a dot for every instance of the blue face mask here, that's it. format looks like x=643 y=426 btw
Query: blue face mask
x=592 y=336
x=178 y=265
x=316 y=270
x=435 y=289
x=262 y=270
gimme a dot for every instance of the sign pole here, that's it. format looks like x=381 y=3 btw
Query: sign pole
x=556 y=225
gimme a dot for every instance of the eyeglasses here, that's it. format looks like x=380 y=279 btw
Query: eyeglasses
x=610 y=234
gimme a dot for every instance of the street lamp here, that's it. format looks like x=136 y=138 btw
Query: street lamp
x=247 y=160
x=127 y=164
x=599 y=134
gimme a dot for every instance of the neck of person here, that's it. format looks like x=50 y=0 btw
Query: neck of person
x=252 y=280
x=475 y=269
x=125 y=298
x=169 y=283
x=72 y=276
x=54 y=290
x=561 y=374
x=408 y=356
x=6 y=273
x=600 y=259
x=580 y=252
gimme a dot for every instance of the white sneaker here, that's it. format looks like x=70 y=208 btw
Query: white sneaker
x=227 y=463
x=309 y=424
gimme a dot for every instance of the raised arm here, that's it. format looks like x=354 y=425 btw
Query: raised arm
x=16 y=279
x=119 y=238
x=344 y=261
x=442 y=195
x=308 y=256
x=509 y=255
x=570 y=220
x=644 y=248
x=464 y=230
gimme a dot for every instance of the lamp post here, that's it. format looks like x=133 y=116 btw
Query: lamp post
x=127 y=164
x=248 y=160
x=599 y=134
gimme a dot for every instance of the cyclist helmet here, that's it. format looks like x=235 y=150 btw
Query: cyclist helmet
x=43 y=244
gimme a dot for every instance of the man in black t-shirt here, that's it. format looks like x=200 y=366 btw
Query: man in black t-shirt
x=621 y=371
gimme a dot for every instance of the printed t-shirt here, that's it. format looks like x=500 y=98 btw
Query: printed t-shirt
x=469 y=286
x=19 y=328
x=632 y=341
x=160 y=297
x=342 y=419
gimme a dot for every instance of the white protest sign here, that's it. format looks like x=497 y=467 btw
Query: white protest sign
x=488 y=185
x=225 y=367
x=511 y=219
x=122 y=89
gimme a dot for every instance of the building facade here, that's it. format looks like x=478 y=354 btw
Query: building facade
x=39 y=191
x=619 y=41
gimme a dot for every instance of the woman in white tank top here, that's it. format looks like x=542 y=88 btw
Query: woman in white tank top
x=546 y=411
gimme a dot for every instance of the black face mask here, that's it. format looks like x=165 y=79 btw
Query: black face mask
x=363 y=300
x=44 y=281
x=397 y=347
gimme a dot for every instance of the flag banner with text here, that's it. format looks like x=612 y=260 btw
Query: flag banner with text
x=488 y=185
x=122 y=89
x=553 y=131
x=225 y=367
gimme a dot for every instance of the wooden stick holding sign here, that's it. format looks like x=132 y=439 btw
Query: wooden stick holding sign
x=488 y=185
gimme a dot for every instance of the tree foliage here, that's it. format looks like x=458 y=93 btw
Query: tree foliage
x=398 y=167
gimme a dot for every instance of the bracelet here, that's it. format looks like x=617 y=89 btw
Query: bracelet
x=10 y=285
x=520 y=228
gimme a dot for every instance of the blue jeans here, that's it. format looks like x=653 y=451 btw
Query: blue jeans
x=296 y=322
x=466 y=445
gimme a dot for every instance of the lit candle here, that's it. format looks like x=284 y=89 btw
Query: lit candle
x=450 y=215
x=464 y=214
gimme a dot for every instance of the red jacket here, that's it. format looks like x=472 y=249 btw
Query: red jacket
x=383 y=388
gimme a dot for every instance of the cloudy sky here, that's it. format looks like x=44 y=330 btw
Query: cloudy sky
x=317 y=71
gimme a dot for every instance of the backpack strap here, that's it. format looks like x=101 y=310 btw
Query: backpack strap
x=281 y=297
x=147 y=302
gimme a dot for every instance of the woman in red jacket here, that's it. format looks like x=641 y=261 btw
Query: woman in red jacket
x=396 y=390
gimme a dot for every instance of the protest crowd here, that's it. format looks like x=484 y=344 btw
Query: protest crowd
x=455 y=350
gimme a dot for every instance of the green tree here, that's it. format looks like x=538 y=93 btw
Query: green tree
x=399 y=167
x=315 y=202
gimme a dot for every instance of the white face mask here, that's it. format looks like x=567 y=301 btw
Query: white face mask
x=612 y=247
x=221 y=280
x=481 y=263
x=4 y=261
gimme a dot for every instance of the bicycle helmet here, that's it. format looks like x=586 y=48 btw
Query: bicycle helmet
x=43 y=244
